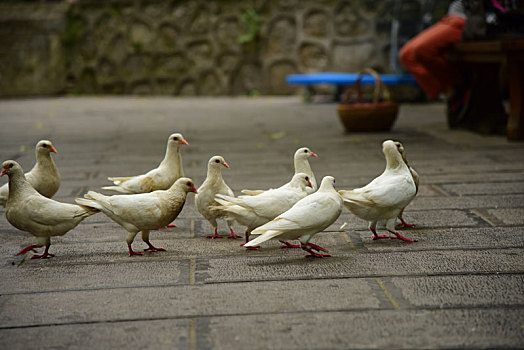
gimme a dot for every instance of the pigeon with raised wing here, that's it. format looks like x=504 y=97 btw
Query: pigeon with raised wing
x=44 y=175
x=385 y=196
x=416 y=179
x=160 y=178
x=205 y=199
x=254 y=211
x=306 y=218
x=301 y=164
x=29 y=211
x=142 y=212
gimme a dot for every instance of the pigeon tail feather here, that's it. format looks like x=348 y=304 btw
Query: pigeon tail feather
x=264 y=236
x=117 y=189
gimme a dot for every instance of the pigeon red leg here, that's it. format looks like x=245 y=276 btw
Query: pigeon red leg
x=233 y=235
x=45 y=255
x=316 y=247
x=247 y=240
x=287 y=245
x=404 y=224
x=399 y=236
x=216 y=235
x=27 y=249
x=132 y=252
x=153 y=249
x=171 y=225
x=310 y=247
x=375 y=236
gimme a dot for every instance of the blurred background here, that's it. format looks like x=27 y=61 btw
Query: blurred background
x=197 y=47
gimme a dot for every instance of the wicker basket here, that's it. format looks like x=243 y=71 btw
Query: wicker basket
x=367 y=116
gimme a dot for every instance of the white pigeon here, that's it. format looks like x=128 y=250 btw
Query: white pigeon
x=205 y=199
x=44 y=176
x=385 y=196
x=28 y=210
x=160 y=178
x=306 y=218
x=254 y=211
x=142 y=212
x=301 y=164
x=416 y=179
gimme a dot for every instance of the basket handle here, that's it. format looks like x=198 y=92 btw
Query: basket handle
x=379 y=87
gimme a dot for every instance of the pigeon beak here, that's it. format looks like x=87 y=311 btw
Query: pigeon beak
x=4 y=171
x=194 y=190
x=226 y=165
x=184 y=142
x=309 y=184
x=314 y=154
x=53 y=149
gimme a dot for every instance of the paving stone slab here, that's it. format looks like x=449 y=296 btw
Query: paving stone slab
x=124 y=304
x=446 y=238
x=498 y=188
x=292 y=265
x=41 y=277
x=385 y=329
x=147 y=334
x=466 y=202
x=462 y=291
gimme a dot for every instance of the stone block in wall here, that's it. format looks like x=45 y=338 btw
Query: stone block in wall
x=31 y=51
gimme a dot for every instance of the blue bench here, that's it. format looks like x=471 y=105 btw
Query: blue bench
x=340 y=80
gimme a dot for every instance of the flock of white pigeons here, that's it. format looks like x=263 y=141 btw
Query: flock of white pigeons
x=295 y=211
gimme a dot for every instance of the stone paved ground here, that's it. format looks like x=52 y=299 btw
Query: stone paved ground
x=460 y=286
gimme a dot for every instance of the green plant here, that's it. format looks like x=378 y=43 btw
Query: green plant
x=253 y=23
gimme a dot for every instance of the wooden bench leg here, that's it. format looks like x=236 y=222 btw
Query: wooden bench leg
x=515 y=127
x=485 y=113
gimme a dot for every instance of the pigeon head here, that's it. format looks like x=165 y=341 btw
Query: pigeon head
x=402 y=151
x=328 y=183
x=186 y=184
x=216 y=161
x=10 y=167
x=301 y=180
x=392 y=154
x=45 y=147
x=304 y=152
x=177 y=139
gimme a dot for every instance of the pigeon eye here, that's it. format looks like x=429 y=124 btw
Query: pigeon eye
x=189 y=184
x=217 y=161
x=10 y=165
x=305 y=151
x=44 y=145
x=307 y=178
x=175 y=138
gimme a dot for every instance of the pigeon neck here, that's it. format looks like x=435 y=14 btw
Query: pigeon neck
x=45 y=161
x=173 y=158
x=302 y=166
x=214 y=172
x=394 y=161
x=18 y=184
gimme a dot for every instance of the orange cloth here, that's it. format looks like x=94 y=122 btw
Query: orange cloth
x=423 y=55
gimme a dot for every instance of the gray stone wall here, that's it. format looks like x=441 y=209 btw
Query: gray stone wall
x=214 y=47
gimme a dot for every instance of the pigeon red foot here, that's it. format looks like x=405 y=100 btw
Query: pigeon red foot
x=247 y=240
x=375 y=236
x=399 y=236
x=216 y=235
x=132 y=252
x=153 y=249
x=171 y=225
x=233 y=235
x=404 y=224
x=27 y=249
x=309 y=247
x=287 y=245
x=43 y=256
